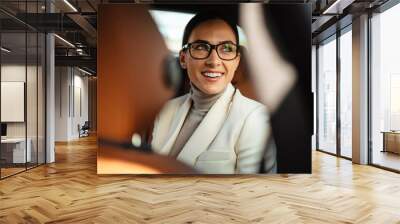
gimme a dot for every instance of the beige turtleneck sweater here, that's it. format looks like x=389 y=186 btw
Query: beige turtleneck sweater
x=201 y=104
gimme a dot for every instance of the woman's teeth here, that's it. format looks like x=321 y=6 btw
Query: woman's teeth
x=212 y=74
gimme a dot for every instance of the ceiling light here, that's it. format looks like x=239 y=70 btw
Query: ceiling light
x=70 y=5
x=5 y=50
x=65 y=41
x=84 y=71
x=337 y=7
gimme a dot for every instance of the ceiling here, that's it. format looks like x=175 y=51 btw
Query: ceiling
x=76 y=22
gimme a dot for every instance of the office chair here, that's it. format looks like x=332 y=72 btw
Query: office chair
x=84 y=130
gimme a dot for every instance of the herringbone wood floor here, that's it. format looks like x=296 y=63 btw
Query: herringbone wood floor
x=69 y=191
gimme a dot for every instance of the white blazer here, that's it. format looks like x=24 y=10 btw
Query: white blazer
x=230 y=139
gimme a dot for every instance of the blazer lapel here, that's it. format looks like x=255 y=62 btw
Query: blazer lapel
x=176 y=126
x=207 y=129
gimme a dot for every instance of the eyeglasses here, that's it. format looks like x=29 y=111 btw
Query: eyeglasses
x=202 y=50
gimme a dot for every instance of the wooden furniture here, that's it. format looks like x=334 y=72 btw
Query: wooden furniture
x=113 y=160
x=391 y=141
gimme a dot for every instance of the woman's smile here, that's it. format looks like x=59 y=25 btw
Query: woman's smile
x=212 y=76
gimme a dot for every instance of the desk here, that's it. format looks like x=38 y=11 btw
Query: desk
x=114 y=160
x=15 y=148
x=391 y=141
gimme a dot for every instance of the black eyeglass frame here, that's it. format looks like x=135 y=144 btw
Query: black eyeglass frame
x=212 y=46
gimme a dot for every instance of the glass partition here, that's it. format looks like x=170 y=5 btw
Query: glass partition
x=385 y=89
x=346 y=93
x=14 y=153
x=41 y=87
x=22 y=88
x=327 y=96
x=31 y=100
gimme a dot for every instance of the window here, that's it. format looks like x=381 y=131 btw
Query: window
x=327 y=96
x=346 y=93
x=171 y=31
x=172 y=24
x=385 y=87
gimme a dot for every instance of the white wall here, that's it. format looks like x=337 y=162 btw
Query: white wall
x=81 y=102
x=10 y=73
x=62 y=81
x=13 y=72
x=71 y=94
x=16 y=73
x=12 y=101
x=33 y=126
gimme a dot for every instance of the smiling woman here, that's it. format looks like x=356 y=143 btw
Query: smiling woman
x=214 y=128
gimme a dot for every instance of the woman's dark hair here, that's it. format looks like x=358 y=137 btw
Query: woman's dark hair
x=193 y=23
x=205 y=16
